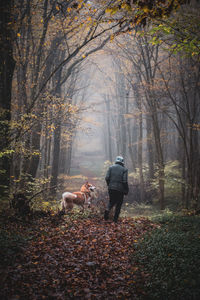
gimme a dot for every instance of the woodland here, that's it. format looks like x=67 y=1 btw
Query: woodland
x=80 y=83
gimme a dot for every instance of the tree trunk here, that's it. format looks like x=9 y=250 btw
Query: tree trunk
x=57 y=133
x=140 y=156
x=150 y=155
x=56 y=155
x=68 y=157
x=7 y=65
x=33 y=166
x=108 y=117
x=161 y=180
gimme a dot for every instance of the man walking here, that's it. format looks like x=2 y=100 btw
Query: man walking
x=117 y=182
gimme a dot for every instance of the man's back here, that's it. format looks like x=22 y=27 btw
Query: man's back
x=117 y=177
x=117 y=181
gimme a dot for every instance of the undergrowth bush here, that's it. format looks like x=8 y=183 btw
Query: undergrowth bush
x=44 y=205
x=170 y=256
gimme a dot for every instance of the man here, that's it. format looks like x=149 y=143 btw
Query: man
x=117 y=182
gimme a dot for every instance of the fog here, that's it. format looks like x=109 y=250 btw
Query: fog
x=89 y=144
x=84 y=91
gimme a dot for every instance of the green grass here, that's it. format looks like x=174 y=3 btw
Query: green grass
x=130 y=210
x=170 y=255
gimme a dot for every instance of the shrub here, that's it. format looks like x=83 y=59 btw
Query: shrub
x=171 y=257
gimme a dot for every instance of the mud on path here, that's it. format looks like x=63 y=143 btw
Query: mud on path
x=79 y=258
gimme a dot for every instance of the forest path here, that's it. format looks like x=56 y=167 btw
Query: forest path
x=80 y=258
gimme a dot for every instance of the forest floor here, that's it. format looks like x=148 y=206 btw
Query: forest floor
x=76 y=258
x=80 y=256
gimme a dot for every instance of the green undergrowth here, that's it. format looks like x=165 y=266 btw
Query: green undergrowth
x=170 y=258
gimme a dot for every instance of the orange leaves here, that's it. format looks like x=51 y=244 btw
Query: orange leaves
x=83 y=259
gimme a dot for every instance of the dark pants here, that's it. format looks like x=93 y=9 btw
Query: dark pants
x=116 y=199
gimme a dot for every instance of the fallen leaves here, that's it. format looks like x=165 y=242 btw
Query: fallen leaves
x=84 y=259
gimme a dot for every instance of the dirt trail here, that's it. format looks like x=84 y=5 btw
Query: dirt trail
x=80 y=259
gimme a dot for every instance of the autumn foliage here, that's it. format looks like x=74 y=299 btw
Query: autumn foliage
x=79 y=258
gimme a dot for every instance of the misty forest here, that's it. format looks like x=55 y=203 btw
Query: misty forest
x=82 y=82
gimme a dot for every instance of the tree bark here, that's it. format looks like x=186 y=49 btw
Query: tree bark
x=140 y=154
x=108 y=120
x=150 y=147
x=56 y=155
x=57 y=133
x=159 y=153
x=7 y=65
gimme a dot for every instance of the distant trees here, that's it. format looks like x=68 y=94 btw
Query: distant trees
x=182 y=91
x=152 y=104
x=162 y=119
x=51 y=42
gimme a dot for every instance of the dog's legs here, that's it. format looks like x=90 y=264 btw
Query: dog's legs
x=82 y=208
x=70 y=206
x=63 y=205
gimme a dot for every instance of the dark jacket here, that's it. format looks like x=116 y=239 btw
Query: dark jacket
x=117 y=178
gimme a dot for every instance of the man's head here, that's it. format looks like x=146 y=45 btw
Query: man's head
x=119 y=159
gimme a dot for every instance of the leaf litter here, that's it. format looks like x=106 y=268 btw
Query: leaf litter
x=78 y=259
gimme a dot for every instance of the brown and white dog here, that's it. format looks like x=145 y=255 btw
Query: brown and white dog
x=81 y=198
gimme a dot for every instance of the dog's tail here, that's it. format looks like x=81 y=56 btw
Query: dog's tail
x=68 y=195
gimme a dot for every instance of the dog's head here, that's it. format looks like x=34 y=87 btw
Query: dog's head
x=92 y=188
x=89 y=186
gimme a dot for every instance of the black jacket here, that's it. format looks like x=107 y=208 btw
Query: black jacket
x=117 y=178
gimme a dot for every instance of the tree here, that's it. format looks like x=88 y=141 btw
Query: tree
x=38 y=65
x=7 y=64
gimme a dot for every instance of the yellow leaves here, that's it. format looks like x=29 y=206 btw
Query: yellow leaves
x=112 y=10
x=57 y=7
x=112 y=37
x=35 y=153
x=125 y=6
x=69 y=9
x=108 y=10
x=146 y=9
x=18 y=34
x=83 y=56
x=52 y=127
x=46 y=204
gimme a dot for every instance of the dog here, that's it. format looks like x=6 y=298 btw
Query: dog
x=82 y=198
